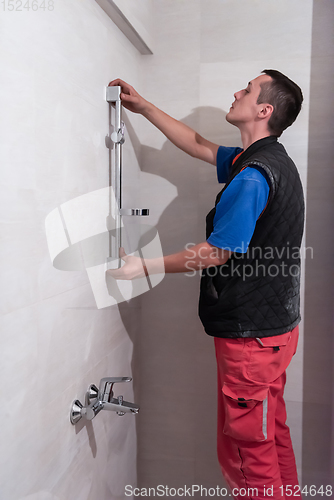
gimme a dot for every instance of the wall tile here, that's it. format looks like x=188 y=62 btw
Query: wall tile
x=55 y=342
x=205 y=51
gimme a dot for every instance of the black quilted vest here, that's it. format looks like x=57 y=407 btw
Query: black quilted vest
x=256 y=294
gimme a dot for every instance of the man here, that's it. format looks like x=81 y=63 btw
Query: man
x=249 y=298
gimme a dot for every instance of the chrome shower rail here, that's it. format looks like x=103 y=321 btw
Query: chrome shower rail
x=116 y=211
x=117 y=137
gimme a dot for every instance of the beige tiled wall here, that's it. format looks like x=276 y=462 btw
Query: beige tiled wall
x=318 y=431
x=54 y=341
x=204 y=52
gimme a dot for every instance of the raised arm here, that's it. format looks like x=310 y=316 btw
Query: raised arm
x=177 y=132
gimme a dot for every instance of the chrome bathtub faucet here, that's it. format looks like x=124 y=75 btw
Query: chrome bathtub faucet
x=101 y=398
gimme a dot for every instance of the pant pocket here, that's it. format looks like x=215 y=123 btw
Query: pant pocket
x=246 y=412
x=270 y=357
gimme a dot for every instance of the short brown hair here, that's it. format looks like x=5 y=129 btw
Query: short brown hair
x=286 y=98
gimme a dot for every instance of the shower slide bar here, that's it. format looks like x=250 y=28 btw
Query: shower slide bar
x=116 y=209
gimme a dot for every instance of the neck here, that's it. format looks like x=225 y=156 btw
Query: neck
x=248 y=137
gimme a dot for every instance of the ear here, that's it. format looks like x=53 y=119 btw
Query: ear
x=266 y=110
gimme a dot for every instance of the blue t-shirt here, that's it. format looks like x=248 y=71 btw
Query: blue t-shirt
x=240 y=205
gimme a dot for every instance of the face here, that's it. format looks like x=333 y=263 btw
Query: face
x=244 y=109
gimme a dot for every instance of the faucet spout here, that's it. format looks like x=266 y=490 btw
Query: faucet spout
x=120 y=406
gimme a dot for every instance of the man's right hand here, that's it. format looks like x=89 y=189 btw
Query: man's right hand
x=177 y=132
x=131 y=100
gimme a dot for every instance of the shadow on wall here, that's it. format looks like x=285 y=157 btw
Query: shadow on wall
x=170 y=339
x=182 y=171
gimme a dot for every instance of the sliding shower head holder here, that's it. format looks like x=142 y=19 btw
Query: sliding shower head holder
x=117 y=137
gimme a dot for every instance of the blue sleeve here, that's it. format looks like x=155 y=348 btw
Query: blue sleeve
x=225 y=156
x=238 y=209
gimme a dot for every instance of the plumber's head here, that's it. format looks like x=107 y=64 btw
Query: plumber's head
x=271 y=101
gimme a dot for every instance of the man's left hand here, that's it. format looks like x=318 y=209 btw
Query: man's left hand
x=133 y=268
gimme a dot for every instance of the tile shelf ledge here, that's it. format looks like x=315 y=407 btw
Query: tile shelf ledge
x=131 y=28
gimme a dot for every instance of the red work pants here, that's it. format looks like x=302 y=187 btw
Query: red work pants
x=254 y=445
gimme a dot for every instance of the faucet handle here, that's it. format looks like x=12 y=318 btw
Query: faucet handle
x=106 y=385
x=92 y=394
